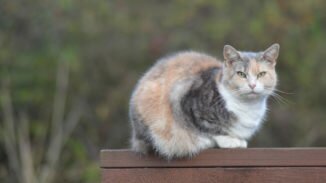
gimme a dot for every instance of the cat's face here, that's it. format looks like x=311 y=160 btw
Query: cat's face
x=250 y=75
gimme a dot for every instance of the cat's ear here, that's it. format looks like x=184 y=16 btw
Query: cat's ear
x=271 y=53
x=230 y=54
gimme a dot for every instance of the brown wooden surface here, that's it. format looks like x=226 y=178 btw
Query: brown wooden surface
x=281 y=165
x=251 y=157
x=210 y=175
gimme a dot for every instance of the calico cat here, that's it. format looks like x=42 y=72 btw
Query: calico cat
x=191 y=101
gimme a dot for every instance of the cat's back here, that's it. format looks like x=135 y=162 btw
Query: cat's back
x=153 y=90
x=180 y=65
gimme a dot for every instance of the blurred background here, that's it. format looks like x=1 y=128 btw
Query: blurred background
x=67 y=69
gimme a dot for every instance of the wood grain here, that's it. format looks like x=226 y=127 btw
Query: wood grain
x=210 y=175
x=251 y=157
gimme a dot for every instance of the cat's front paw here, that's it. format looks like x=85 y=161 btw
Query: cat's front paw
x=230 y=142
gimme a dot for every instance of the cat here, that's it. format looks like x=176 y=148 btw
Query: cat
x=191 y=101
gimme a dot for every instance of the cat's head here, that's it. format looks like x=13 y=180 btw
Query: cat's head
x=250 y=75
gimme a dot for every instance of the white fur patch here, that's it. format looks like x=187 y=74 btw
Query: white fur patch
x=250 y=115
x=230 y=142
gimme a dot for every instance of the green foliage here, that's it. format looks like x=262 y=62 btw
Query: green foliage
x=109 y=44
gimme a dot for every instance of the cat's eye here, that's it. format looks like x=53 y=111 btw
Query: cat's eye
x=261 y=74
x=241 y=74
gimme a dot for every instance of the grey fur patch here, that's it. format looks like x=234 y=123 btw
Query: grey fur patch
x=204 y=108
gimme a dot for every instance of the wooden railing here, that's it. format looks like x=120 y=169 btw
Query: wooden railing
x=299 y=165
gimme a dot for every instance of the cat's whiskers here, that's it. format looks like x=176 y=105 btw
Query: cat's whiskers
x=280 y=91
x=280 y=99
x=277 y=97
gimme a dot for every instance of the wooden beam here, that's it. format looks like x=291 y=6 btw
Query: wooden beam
x=251 y=157
x=213 y=175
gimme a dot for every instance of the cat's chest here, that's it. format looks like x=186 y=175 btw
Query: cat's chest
x=248 y=118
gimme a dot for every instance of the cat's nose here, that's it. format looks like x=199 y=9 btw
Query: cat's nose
x=252 y=86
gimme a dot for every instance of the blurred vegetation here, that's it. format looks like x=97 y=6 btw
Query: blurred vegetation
x=100 y=48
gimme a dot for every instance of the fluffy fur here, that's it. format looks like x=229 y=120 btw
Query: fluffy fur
x=191 y=101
